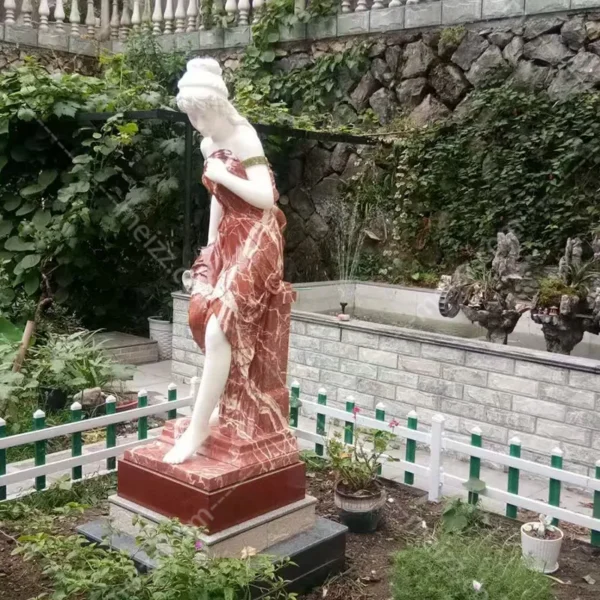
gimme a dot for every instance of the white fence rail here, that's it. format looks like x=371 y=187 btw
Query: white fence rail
x=437 y=481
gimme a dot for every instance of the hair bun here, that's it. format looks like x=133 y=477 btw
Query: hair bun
x=206 y=64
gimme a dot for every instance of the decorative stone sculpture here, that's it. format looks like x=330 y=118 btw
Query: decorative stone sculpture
x=562 y=306
x=237 y=442
x=487 y=297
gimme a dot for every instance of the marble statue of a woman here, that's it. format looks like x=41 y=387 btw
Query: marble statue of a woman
x=236 y=283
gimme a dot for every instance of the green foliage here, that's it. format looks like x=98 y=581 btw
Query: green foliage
x=552 y=288
x=462 y=517
x=452 y=35
x=357 y=466
x=74 y=362
x=314 y=463
x=448 y=568
x=508 y=159
x=183 y=570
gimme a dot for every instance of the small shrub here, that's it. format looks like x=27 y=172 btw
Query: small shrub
x=448 y=569
x=460 y=516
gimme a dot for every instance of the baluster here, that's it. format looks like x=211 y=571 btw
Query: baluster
x=257 y=6
x=217 y=10
x=346 y=6
x=125 y=21
x=243 y=12
x=361 y=6
x=26 y=10
x=147 y=17
x=157 y=17
x=136 y=17
x=105 y=19
x=169 y=16
x=192 y=15
x=180 y=16
x=10 y=6
x=44 y=12
x=231 y=10
x=74 y=18
x=395 y=3
x=59 y=16
x=114 y=21
x=90 y=18
x=377 y=5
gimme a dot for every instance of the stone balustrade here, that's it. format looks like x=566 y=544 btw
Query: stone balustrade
x=81 y=25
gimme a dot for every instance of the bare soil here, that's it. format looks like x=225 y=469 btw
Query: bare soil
x=409 y=518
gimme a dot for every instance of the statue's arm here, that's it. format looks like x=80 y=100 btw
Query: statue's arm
x=257 y=190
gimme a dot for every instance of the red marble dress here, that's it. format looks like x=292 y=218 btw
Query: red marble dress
x=239 y=280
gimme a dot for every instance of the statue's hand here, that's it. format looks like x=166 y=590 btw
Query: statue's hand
x=215 y=170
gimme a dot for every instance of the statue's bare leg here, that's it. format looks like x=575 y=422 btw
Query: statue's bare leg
x=217 y=363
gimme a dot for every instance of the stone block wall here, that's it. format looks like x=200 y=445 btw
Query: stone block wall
x=546 y=400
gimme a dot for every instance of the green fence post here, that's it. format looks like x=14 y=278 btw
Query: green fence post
x=111 y=432
x=39 y=422
x=2 y=459
x=555 y=484
x=380 y=416
x=349 y=425
x=172 y=396
x=142 y=421
x=411 y=447
x=475 y=463
x=322 y=400
x=513 y=476
x=294 y=403
x=76 y=472
x=596 y=510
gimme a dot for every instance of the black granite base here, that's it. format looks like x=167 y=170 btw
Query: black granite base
x=315 y=554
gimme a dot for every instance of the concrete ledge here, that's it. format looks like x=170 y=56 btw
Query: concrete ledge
x=21 y=35
x=460 y=11
x=543 y=6
x=236 y=36
x=353 y=23
x=322 y=28
x=387 y=19
x=423 y=15
x=496 y=9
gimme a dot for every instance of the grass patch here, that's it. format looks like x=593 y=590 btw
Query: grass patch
x=447 y=568
x=314 y=463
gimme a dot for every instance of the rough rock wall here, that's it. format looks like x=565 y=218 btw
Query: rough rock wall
x=14 y=55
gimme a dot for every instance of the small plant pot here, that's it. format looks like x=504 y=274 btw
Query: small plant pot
x=541 y=554
x=361 y=514
x=53 y=399
x=162 y=332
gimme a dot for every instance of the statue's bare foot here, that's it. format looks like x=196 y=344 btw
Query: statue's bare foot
x=185 y=447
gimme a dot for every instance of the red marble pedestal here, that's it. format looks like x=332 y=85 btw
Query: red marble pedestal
x=231 y=481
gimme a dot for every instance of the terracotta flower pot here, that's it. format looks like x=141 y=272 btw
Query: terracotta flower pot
x=360 y=513
x=541 y=553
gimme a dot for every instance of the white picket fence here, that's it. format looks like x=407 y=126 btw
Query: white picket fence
x=440 y=482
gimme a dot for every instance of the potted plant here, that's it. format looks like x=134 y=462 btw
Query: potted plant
x=541 y=542
x=563 y=306
x=160 y=325
x=358 y=494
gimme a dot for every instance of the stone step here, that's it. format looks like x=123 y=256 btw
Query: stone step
x=128 y=349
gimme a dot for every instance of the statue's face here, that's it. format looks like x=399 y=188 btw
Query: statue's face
x=207 y=113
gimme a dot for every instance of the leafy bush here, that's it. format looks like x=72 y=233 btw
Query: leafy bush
x=448 y=568
x=183 y=571
x=461 y=517
x=508 y=159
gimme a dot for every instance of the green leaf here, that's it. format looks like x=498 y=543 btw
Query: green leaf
x=19 y=154
x=273 y=37
x=104 y=174
x=3 y=125
x=268 y=56
x=29 y=261
x=41 y=218
x=9 y=332
x=32 y=190
x=25 y=209
x=47 y=177
x=31 y=284
x=82 y=159
x=5 y=228
x=475 y=485
x=65 y=109
x=3 y=162
x=25 y=114
x=61 y=295
x=16 y=244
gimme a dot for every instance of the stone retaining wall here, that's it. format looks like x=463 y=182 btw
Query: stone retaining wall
x=546 y=400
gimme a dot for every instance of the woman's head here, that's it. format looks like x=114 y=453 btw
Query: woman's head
x=203 y=96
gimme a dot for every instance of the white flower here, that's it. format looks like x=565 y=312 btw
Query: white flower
x=477 y=586
x=423 y=524
x=248 y=551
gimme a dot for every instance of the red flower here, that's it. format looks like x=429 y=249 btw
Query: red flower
x=355 y=410
x=394 y=423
